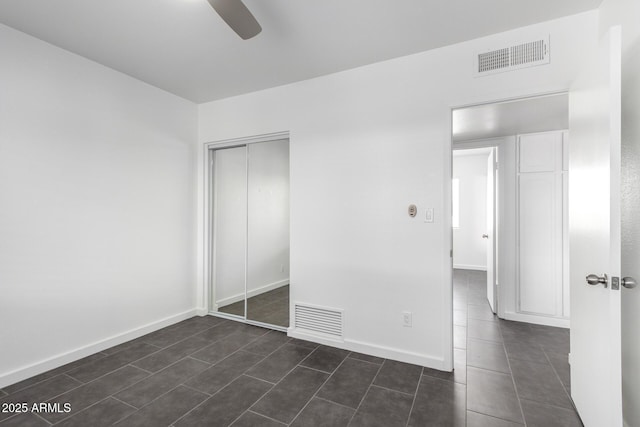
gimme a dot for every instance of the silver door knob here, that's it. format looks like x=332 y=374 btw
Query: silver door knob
x=594 y=279
x=629 y=282
x=485 y=236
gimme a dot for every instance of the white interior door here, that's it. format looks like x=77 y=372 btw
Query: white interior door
x=594 y=236
x=491 y=226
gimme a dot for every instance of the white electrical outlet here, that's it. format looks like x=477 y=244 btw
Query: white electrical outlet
x=281 y=268
x=406 y=319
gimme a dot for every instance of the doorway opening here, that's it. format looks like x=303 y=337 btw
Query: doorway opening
x=248 y=220
x=510 y=168
x=510 y=241
x=474 y=216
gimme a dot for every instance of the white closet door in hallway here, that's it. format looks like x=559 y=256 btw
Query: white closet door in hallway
x=542 y=177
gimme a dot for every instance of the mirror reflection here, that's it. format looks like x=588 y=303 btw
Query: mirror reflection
x=268 y=233
x=229 y=227
x=250 y=229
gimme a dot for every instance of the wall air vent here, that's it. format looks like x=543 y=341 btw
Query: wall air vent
x=318 y=319
x=514 y=57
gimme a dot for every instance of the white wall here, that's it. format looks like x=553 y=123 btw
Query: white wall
x=268 y=226
x=97 y=230
x=469 y=248
x=627 y=14
x=365 y=144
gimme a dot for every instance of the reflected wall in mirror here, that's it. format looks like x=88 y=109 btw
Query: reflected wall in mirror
x=268 y=232
x=229 y=228
x=250 y=231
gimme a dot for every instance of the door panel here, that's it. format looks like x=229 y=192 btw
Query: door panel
x=229 y=230
x=268 y=232
x=540 y=242
x=594 y=233
x=491 y=228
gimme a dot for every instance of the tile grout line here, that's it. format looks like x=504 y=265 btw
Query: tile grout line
x=245 y=374
x=129 y=364
x=261 y=415
x=466 y=360
x=489 y=370
x=195 y=389
x=402 y=392
x=321 y=385
x=65 y=372
x=283 y=377
x=255 y=378
x=495 y=418
x=415 y=396
x=172 y=345
x=365 y=361
x=158 y=372
x=335 y=403
x=152 y=401
x=558 y=377
x=152 y=374
x=549 y=364
x=214 y=394
x=39 y=416
x=257 y=400
x=90 y=406
x=170 y=390
x=142 y=369
x=366 y=393
x=83 y=384
x=513 y=379
x=122 y=401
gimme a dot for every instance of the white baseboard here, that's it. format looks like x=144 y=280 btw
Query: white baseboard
x=12 y=377
x=470 y=267
x=252 y=293
x=229 y=300
x=267 y=288
x=538 y=320
x=370 y=349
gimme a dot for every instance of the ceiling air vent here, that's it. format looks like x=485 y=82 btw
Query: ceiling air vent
x=318 y=319
x=513 y=57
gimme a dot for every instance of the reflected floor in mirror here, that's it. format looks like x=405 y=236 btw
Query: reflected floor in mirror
x=270 y=307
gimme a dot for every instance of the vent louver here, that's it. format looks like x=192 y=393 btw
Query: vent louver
x=513 y=58
x=318 y=319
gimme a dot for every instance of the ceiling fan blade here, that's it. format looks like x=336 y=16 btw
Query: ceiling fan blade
x=237 y=16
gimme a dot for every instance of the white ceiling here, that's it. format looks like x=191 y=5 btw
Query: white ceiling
x=182 y=46
x=529 y=115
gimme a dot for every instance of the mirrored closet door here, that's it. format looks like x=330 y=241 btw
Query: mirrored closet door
x=229 y=228
x=268 y=232
x=250 y=232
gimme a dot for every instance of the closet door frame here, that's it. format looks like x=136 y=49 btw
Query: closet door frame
x=209 y=238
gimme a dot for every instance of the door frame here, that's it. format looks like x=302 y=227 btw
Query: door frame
x=494 y=143
x=448 y=176
x=209 y=240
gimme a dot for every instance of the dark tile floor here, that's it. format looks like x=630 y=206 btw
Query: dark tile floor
x=516 y=373
x=215 y=372
x=270 y=307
